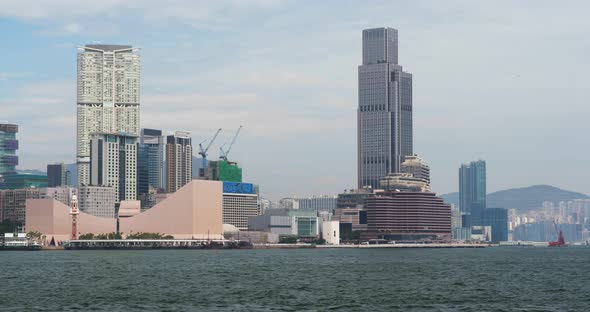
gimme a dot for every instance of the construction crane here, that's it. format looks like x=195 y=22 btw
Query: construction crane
x=223 y=154
x=203 y=151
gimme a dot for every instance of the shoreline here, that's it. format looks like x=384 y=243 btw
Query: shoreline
x=290 y=246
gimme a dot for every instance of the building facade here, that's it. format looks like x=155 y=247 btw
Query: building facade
x=331 y=232
x=417 y=167
x=408 y=216
x=385 y=131
x=24 y=180
x=113 y=163
x=57 y=175
x=150 y=161
x=107 y=97
x=497 y=218
x=179 y=160
x=8 y=148
x=472 y=192
x=62 y=194
x=240 y=202
x=98 y=201
x=355 y=219
x=287 y=223
x=13 y=203
x=405 y=182
x=316 y=203
x=356 y=198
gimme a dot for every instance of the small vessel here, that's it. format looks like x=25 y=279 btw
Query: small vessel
x=18 y=242
x=560 y=239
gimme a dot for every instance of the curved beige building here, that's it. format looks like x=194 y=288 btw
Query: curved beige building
x=194 y=211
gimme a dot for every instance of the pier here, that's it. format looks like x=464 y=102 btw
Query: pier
x=139 y=244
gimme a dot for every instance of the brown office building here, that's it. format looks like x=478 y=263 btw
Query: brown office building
x=407 y=216
x=179 y=161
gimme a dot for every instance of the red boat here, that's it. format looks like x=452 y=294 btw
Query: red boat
x=560 y=240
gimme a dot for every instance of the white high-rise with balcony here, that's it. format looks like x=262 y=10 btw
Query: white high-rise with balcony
x=108 y=97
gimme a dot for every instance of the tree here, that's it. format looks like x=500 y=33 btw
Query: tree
x=287 y=239
x=86 y=236
x=148 y=235
x=34 y=235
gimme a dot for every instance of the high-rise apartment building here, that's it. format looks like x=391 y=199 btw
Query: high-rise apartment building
x=150 y=161
x=8 y=148
x=98 y=201
x=472 y=192
x=108 y=97
x=385 y=134
x=179 y=160
x=57 y=175
x=113 y=163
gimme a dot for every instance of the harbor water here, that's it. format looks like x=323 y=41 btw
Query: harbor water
x=487 y=279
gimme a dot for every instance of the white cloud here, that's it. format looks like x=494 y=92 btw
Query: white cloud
x=488 y=78
x=12 y=75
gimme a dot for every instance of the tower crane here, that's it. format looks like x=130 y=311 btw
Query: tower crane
x=224 y=153
x=203 y=151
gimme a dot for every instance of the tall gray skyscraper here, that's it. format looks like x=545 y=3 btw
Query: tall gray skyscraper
x=108 y=97
x=472 y=192
x=385 y=108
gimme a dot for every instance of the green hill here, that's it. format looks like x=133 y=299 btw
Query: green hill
x=523 y=199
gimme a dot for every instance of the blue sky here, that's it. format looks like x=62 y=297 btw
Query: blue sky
x=505 y=81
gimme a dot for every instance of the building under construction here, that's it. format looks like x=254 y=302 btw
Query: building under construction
x=222 y=170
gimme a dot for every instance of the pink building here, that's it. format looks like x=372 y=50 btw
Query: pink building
x=194 y=211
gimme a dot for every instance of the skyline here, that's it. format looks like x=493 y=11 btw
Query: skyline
x=219 y=87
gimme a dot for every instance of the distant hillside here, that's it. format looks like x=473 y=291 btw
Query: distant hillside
x=451 y=198
x=32 y=171
x=523 y=199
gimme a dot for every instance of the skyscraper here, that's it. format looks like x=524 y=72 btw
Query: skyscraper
x=113 y=163
x=472 y=192
x=179 y=160
x=150 y=161
x=108 y=97
x=57 y=175
x=385 y=108
x=8 y=148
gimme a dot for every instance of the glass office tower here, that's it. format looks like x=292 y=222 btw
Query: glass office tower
x=472 y=192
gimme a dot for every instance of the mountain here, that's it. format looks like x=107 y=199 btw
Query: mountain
x=32 y=171
x=451 y=198
x=524 y=198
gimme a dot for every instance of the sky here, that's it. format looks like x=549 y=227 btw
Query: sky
x=503 y=81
